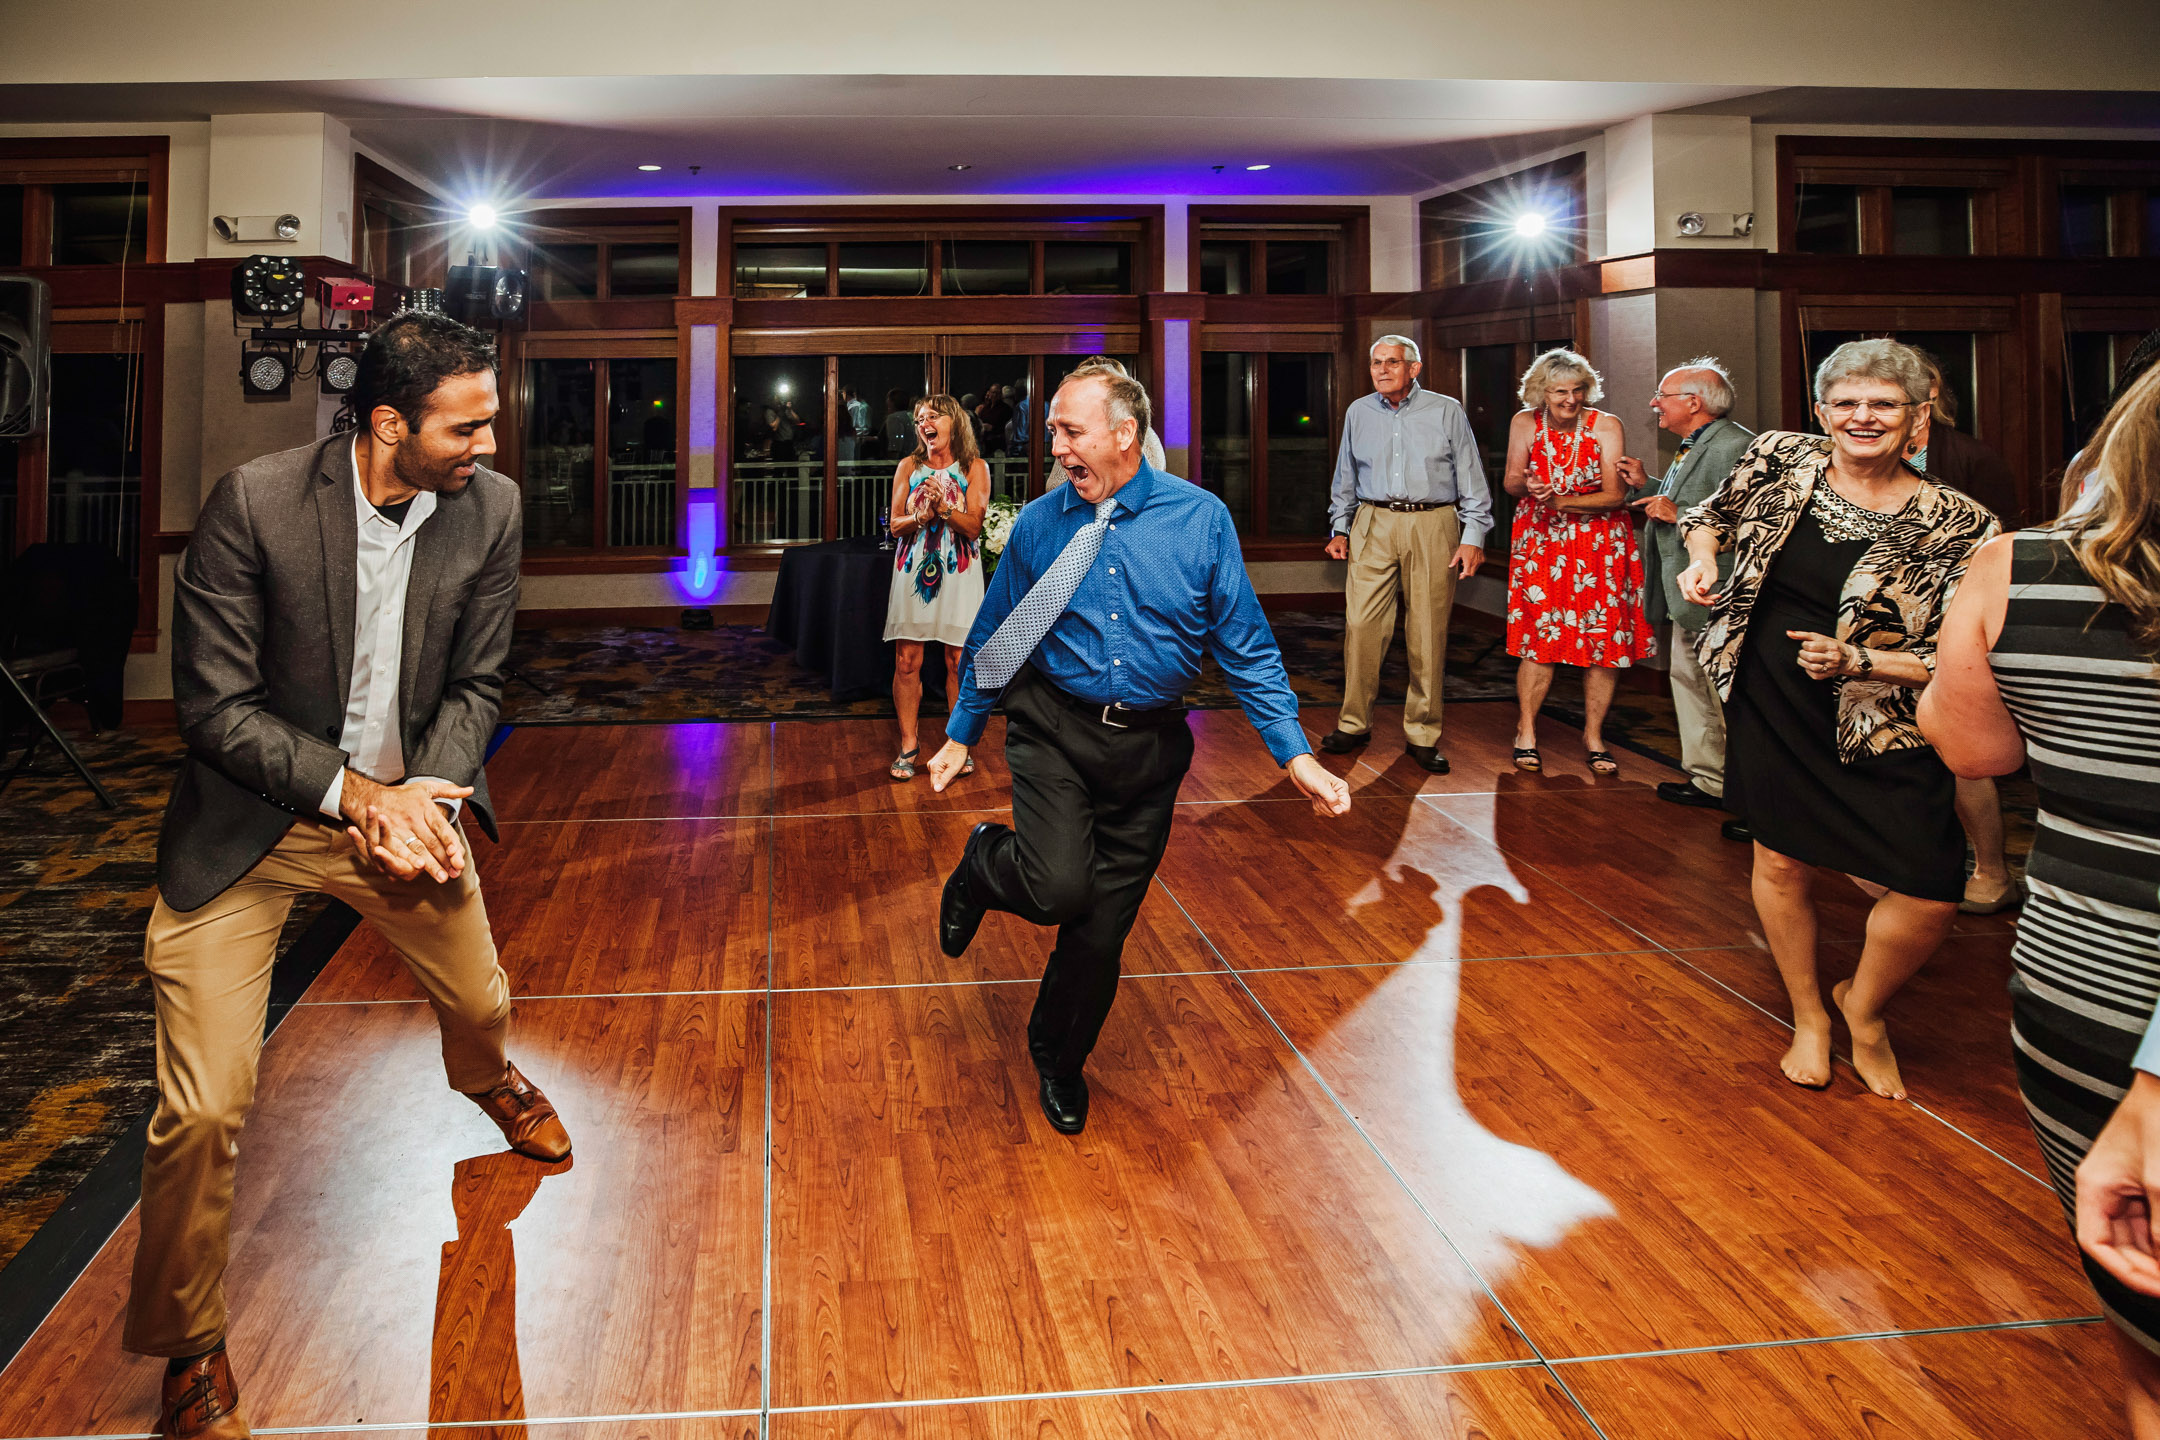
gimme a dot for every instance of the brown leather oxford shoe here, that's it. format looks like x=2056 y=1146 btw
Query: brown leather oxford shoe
x=202 y=1402
x=526 y=1118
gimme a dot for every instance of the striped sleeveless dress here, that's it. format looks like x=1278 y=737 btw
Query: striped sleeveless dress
x=2086 y=967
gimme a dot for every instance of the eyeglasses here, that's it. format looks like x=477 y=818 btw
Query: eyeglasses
x=1671 y=395
x=1847 y=409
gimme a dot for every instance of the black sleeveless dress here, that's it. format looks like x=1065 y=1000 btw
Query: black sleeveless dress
x=1890 y=819
x=2086 y=969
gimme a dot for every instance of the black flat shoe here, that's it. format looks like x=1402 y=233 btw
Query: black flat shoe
x=1429 y=757
x=1683 y=792
x=1342 y=742
x=1065 y=1103
x=1734 y=830
x=958 y=915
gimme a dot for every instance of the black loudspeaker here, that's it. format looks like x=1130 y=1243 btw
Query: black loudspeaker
x=25 y=354
x=473 y=293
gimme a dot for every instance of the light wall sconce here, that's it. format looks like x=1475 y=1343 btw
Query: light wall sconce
x=1713 y=224
x=256 y=229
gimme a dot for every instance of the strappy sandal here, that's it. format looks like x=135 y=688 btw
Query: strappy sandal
x=1602 y=762
x=967 y=767
x=1529 y=760
x=903 y=765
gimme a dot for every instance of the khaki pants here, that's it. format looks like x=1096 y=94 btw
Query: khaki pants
x=1699 y=715
x=210 y=971
x=1410 y=552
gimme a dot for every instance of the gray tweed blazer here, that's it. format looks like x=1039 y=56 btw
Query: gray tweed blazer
x=263 y=604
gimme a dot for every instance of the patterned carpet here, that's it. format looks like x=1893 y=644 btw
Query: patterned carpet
x=76 y=881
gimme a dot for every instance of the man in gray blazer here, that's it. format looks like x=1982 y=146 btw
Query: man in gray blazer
x=340 y=622
x=1691 y=402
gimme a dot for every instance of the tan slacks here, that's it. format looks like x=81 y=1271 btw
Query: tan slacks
x=1698 y=714
x=1405 y=554
x=210 y=972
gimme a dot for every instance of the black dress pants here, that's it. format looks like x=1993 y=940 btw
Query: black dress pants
x=1092 y=806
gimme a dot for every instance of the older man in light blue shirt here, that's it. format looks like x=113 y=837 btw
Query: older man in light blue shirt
x=1410 y=509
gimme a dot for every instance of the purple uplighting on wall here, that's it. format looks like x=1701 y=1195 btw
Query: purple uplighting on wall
x=1175 y=402
x=701 y=572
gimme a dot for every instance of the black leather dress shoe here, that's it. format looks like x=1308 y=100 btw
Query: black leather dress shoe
x=1429 y=757
x=1734 y=830
x=958 y=915
x=1342 y=742
x=1684 y=792
x=1065 y=1103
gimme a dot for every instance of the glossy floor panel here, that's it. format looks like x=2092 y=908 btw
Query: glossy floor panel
x=933 y=1237
x=1277 y=885
x=880 y=928
x=393 y=1264
x=1478 y=738
x=1608 y=1140
x=611 y=907
x=1520 y=1404
x=1989 y=1385
x=842 y=767
x=606 y=772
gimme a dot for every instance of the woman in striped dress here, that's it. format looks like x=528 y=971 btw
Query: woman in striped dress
x=2048 y=657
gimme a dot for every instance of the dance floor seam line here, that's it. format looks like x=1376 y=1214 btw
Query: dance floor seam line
x=1859 y=1336
x=1409 y=1191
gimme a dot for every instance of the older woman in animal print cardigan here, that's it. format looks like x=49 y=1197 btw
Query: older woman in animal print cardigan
x=1844 y=560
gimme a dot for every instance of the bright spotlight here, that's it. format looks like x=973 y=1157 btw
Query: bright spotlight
x=481 y=217
x=782 y=389
x=1529 y=225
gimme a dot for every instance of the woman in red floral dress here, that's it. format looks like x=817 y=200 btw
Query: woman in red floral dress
x=1575 y=577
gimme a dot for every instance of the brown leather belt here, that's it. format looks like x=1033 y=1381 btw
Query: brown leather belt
x=1409 y=506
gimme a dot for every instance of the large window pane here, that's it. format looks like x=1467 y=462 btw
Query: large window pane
x=1490 y=382
x=644 y=269
x=641 y=452
x=566 y=272
x=1222 y=267
x=776 y=485
x=1299 y=391
x=11 y=222
x=2084 y=220
x=880 y=269
x=779 y=272
x=1827 y=220
x=102 y=224
x=1953 y=351
x=987 y=267
x=993 y=389
x=1226 y=430
x=94 y=453
x=876 y=429
x=1297 y=267
x=2088 y=380
x=558 y=475
x=1073 y=267
x=1931 y=220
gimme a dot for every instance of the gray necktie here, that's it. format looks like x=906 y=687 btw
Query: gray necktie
x=1006 y=651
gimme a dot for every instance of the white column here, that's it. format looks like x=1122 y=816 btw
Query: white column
x=1177 y=244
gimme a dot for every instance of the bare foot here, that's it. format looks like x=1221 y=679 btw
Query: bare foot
x=1808 y=1061
x=1871 y=1050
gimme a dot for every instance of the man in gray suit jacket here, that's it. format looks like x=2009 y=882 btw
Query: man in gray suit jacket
x=340 y=622
x=1691 y=402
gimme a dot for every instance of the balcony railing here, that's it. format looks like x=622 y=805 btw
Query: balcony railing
x=641 y=504
x=97 y=510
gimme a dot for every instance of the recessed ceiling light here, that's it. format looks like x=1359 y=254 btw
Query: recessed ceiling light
x=1256 y=167
x=648 y=167
x=960 y=167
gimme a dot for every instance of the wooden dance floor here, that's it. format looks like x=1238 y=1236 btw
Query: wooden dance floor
x=1458 y=1116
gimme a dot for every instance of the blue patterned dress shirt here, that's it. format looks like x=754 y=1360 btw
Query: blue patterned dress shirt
x=1168 y=586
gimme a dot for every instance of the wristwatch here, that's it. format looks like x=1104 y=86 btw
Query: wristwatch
x=1867 y=660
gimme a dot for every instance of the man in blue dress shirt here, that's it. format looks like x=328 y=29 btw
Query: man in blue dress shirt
x=1109 y=591
x=1410 y=507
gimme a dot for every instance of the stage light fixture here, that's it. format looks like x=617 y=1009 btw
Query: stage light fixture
x=426 y=301
x=1529 y=225
x=268 y=287
x=348 y=294
x=266 y=369
x=337 y=365
x=481 y=217
x=485 y=292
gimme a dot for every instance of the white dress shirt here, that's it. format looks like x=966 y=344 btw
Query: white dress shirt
x=382 y=571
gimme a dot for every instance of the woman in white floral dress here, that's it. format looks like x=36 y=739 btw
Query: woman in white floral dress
x=938 y=498
x=1575 y=579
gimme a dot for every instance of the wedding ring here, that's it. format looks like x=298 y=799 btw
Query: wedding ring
x=413 y=842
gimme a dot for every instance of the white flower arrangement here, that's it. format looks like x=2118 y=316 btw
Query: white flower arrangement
x=997 y=525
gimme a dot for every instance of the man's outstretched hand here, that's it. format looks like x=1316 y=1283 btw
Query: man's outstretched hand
x=1330 y=793
x=946 y=764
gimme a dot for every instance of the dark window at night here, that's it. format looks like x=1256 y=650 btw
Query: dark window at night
x=94 y=453
x=987 y=267
x=101 y=224
x=644 y=269
x=1930 y=220
x=1299 y=465
x=779 y=272
x=1297 y=267
x=566 y=272
x=1827 y=220
x=641 y=452
x=1222 y=267
x=558 y=478
x=11 y=223
x=2084 y=220
x=1086 y=268
x=885 y=269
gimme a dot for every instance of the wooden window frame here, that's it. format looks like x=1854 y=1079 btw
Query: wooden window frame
x=1266 y=545
x=1347 y=229
x=39 y=164
x=1140 y=226
x=412 y=250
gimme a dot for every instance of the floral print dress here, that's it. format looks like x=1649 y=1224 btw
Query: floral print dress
x=1575 y=579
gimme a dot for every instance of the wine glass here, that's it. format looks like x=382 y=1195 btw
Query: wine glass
x=884 y=525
